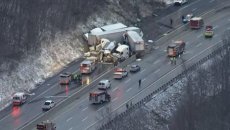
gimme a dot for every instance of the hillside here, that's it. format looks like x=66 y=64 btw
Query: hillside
x=39 y=37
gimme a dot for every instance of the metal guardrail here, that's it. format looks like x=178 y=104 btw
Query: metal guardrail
x=211 y=53
x=202 y=58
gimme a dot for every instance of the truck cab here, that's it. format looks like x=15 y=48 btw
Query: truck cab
x=175 y=48
x=19 y=98
x=122 y=52
x=99 y=97
x=120 y=73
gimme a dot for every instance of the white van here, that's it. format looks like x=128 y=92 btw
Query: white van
x=19 y=98
x=180 y=2
x=104 y=84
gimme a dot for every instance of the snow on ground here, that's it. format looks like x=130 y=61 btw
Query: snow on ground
x=63 y=49
x=165 y=102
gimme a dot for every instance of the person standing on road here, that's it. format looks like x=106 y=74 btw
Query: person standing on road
x=171 y=22
x=174 y=59
x=139 y=82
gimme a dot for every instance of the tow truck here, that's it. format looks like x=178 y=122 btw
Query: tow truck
x=176 y=48
x=67 y=78
x=119 y=73
x=46 y=125
x=99 y=97
x=208 y=31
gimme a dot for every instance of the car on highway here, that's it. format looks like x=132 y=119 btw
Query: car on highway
x=134 y=68
x=208 y=31
x=120 y=73
x=104 y=84
x=180 y=2
x=48 y=105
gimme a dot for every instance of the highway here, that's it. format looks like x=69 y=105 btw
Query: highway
x=80 y=114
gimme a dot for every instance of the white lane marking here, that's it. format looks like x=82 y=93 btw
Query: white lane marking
x=184 y=7
x=157 y=61
x=211 y=1
x=90 y=126
x=100 y=109
x=114 y=99
x=115 y=89
x=215 y=35
x=84 y=109
x=70 y=128
x=156 y=47
x=158 y=70
x=69 y=119
x=215 y=27
x=127 y=80
x=199 y=35
x=165 y=50
x=144 y=79
x=129 y=89
x=84 y=119
x=169 y=62
x=142 y=71
x=194 y=9
x=198 y=44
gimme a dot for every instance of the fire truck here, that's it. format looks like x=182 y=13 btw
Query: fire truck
x=175 y=48
x=99 y=97
x=196 y=23
x=46 y=125
x=87 y=66
x=119 y=73
x=65 y=79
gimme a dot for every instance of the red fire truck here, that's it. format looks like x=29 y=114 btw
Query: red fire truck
x=99 y=96
x=176 y=48
x=196 y=23
x=87 y=66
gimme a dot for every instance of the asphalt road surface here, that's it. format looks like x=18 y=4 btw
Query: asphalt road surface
x=80 y=114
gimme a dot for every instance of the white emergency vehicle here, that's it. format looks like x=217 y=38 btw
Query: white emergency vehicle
x=180 y=2
x=98 y=96
x=104 y=84
x=19 y=98
x=87 y=66
x=120 y=73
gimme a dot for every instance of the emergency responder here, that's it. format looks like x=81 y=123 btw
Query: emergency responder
x=139 y=82
x=171 y=22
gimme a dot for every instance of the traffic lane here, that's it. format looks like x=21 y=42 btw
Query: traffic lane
x=56 y=92
x=43 y=86
x=196 y=8
x=192 y=37
x=195 y=52
x=130 y=89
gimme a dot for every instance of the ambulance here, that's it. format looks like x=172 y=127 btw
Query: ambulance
x=19 y=98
